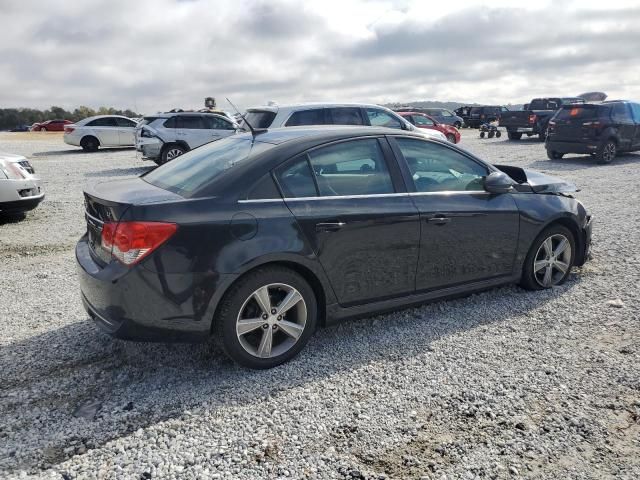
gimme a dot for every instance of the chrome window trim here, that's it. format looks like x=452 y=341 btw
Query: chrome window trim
x=447 y=192
x=374 y=195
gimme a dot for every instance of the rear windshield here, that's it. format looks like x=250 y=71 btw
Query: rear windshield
x=260 y=118
x=579 y=112
x=544 y=104
x=191 y=172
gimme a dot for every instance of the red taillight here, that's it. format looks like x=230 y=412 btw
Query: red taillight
x=68 y=129
x=130 y=242
x=532 y=119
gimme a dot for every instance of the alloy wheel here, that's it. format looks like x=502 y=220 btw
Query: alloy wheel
x=609 y=152
x=271 y=320
x=552 y=260
x=173 y=153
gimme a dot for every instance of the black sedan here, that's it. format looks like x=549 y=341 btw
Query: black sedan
x=256 y=240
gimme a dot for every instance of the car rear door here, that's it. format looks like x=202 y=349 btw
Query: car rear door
x=193 y=130
x=351 y=204
x=105 y=130
x=468 y=234
x=621 y=117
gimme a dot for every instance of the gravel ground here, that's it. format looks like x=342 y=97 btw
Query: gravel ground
x=504 y=384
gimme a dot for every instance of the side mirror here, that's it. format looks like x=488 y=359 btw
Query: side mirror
x=498 y=182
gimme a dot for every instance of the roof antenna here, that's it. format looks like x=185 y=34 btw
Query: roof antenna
x=254 y=131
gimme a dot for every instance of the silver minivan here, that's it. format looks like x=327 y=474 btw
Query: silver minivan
x=165 y=136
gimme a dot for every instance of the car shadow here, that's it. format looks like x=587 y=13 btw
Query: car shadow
x=6 y=218
x=573 y=162
x=119 y=172
x=93 y=389
x=77 y=151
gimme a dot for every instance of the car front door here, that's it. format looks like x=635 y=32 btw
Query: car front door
x=352 y=207
x=126 y=131
x=468 y=234
x=192 y=130
x=218 y=127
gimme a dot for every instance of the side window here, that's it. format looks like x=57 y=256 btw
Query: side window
x=124 y=122
x=351 y=168
x=436 y=168
x=380 y=118
x=446 y=113
x=102 y=122
x=306 y=117
x=635 y=109
x=346 y=116
x=216 y=123
x=191 y=122
x=171 y=123
x=296 y=179
x=620 y=113
x=265 y=188
x=420 y=120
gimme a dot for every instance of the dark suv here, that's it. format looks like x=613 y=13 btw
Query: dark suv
x=484 y=114
x=599 y=129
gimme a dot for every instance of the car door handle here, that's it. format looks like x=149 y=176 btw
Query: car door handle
x=439 y=220
x=329 y=226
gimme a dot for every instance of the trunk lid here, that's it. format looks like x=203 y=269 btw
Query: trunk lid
x=109 y=201
x=575 y=122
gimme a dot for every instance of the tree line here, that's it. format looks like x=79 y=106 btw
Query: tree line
x=14 y=117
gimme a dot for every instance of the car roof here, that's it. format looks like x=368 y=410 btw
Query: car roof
x=105 y=116
x=277 y=136
x=173 y=114
x=305 y=105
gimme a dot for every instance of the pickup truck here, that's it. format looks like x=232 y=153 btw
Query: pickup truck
x=534 y=118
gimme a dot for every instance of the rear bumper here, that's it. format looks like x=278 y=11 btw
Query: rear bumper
x=21 y=206
x=136 y=303
x=572 y=147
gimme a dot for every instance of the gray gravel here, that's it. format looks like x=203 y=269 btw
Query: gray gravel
x=505 y=384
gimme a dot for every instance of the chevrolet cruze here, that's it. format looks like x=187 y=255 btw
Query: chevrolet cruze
x=257 y=240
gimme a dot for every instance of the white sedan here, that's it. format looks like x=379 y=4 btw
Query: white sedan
x=20 y=189
x=101 y=131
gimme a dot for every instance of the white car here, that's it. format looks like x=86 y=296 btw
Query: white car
x=20 y=189
x=278 y=116
x=101 y=131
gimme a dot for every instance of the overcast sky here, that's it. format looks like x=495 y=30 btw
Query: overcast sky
x=154 y=55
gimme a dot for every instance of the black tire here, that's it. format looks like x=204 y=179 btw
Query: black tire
x=529 y=279
x=514 y=135
x=551 y=155
x=89 y=144
x=498 y=133
x=170 y=151
x=451 y=138
x=239 y=297
x=542 y=136
x=457 y=124
x=43 y=129
x=481 y=134
x=607 y=152
x=491 y=134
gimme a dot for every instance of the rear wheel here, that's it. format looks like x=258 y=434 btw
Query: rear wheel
x=89 y=144
x=542 y=136
x=43 y=129
x=550 y=259
x=266 y=318
x=498 y=134
x=481 y=134
x=554 y=155
x=457 y=124
x=491 y=133
x=170 y=152
x=451 y=137
x=514 y=135
x=607 y=152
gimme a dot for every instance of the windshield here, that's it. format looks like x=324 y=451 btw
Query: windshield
x=189 y=173
x=259 y=118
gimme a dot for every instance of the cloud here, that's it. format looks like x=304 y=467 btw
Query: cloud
x=160 y=54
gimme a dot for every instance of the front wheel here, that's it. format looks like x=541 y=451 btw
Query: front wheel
x=549 y=260
x=266 y=318
x=514 y=135
x=552 y=155
x=481 y=134
x=498 y=134
x=457 y=124
x=451 y=138
x=43 y=129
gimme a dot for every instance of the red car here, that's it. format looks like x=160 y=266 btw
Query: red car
x=422 y=120
x=50 y=126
